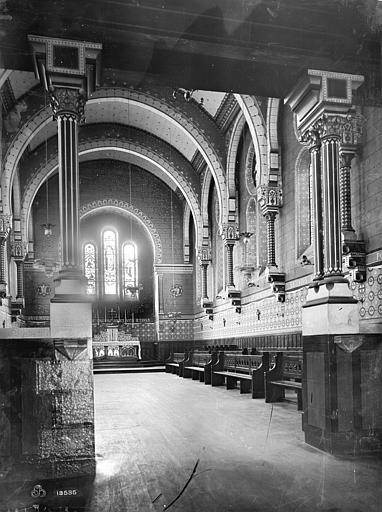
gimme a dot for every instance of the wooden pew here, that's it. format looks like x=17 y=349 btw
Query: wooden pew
x=174 y=364
x=198 y=366
x=285 y=374
x=247 y=369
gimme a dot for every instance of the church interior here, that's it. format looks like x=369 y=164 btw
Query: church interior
x=190 y=255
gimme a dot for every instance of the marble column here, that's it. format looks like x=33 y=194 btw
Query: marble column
x=313 y=140
x=20 y=278
x=346 y=158
x=270 y=217
x=68 y=109
x=230 y=234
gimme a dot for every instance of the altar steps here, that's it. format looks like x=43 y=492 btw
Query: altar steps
x=124 y=366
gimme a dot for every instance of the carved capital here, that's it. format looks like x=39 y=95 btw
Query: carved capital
x=204 y=255
x=5 y=225
x=68 y=103
x=347 y=128
x=18 y=249
x=270 y=198
x=230 y=233
x=310 y=138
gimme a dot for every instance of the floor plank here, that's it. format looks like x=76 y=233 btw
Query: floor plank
x=151 y=429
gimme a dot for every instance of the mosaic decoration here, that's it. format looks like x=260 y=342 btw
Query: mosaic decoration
x=266 y=315
x=369 y=294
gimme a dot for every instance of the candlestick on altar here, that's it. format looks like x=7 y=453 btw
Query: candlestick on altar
x=125 y=316
x=105 y=313
x=132 y=318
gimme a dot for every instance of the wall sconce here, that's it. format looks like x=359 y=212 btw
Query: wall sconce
x=224 y=322
x=305 y=260
x=187 y=94
x=246 y=235
x=48 y=228
x=258 y=313
x=238 y=309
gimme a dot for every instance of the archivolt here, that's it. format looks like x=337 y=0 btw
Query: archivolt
x=141 y=153
x=201 y=137
x=256 y=124
x=108 y=204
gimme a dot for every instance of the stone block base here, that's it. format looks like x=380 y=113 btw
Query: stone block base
x=342 y=393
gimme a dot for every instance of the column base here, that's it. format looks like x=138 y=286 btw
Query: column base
x=341 y=393
x=330 y=308
x=70 y=308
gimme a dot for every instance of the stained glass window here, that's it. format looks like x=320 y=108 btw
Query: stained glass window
x=90 y=268
x=129 y=271
x=110 y=262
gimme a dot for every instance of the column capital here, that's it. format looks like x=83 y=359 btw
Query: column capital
x=346 y=127
x=18 y=250
x=230 y=233
x=270 y=198
x=204 y=255
x=68 y=102
x=5 y=226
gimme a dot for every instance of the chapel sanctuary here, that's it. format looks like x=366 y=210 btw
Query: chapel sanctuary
x=190 y=256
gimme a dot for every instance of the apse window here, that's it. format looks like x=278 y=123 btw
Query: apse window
x=130 y=288
x=90 y=268
x=110 y=262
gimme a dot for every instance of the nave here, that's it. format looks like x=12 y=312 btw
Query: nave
x=153 y=429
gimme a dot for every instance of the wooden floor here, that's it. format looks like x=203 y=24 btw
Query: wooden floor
x=153 y=430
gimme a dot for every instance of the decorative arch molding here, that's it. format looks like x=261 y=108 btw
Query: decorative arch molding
x=257 y=128
x=141 y=153
x=232 y=153
x=186 y=233
x=206 y=185
x=249 y=178
x=272 y=123
x=108 y=204
x=205 y=137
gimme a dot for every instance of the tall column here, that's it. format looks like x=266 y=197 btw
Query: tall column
x=345 y=191
x=270 y=217
x=68 y=109
x=20 y=279
x=312 y=138
x=330 y=144
x=270 y=200
x=230 y=234
x=5 y=228
x=336 y=377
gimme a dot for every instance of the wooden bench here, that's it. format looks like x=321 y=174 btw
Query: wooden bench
x=174 y=364
x=198 y=366
x=247 y=369
x=285 y=374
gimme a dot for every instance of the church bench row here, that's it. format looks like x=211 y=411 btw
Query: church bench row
x=256 y=374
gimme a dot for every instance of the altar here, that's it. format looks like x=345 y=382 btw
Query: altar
x=113 y=344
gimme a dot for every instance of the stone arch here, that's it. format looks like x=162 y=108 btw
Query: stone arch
x=186 y=233
x=232 y=153
x=134 y=150
x=257 y=128
x=110 y=204
x=202 y=137
x=249 y=159
x=206 y=185
x=272 y=122
x=303 y=209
